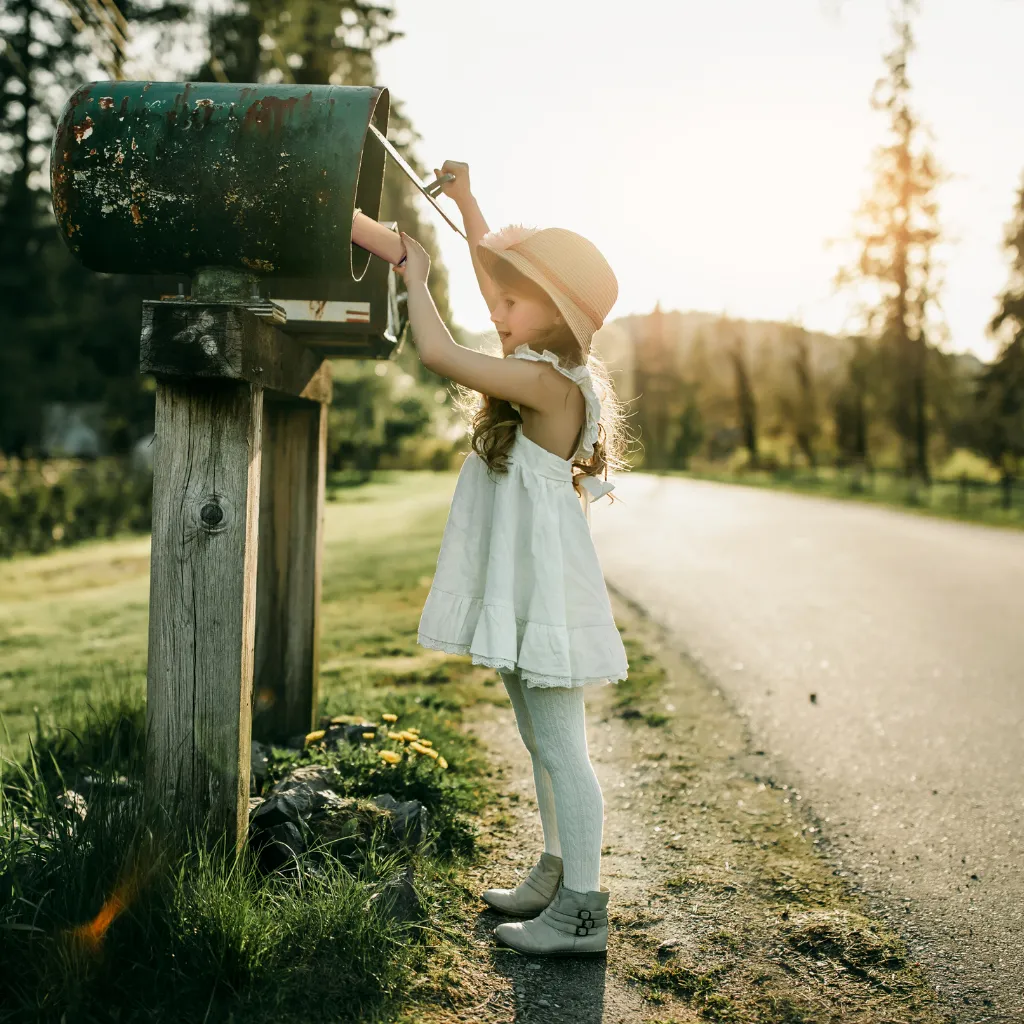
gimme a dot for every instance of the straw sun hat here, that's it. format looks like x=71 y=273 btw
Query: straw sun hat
x=569 y=268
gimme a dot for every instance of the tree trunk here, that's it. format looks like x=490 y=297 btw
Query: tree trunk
x=746 y=404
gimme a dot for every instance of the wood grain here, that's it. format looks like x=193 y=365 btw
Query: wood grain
x=206 y=491
x=286 y=690
x=190 y=340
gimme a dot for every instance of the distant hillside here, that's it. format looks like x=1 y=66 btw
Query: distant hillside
x=684 y=333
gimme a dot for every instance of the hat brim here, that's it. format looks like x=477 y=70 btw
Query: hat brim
x=582 y=327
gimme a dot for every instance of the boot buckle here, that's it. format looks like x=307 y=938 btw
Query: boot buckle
x=582 y=930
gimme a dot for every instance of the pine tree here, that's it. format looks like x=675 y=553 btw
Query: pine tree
x=898 y=233
x=746 y=401
x=797 y=399
x=851 y=409
x=67 y=334
x=1000 y=393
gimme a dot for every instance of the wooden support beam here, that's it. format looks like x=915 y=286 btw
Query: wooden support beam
x=286 y=691
x=206 y=497
x=189 y=340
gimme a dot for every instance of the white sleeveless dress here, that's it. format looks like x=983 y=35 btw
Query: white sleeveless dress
x=518 y=584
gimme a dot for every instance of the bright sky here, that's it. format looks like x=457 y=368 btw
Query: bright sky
x=711 y=150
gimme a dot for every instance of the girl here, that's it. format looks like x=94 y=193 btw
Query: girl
x=518 y=584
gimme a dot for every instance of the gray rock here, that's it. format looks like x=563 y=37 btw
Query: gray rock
x=308 y=788
x=279 y=846
x=349 y=733
x=302 y=811
x=118 y=784
x=259 y=766
x=73 y=804
x=259 y=760
x=279 y=824
x=408 y=818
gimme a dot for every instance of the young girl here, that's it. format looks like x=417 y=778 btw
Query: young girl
x=518 y=584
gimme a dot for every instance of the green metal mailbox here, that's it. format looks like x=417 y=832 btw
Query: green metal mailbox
x=249 y=192
x=263 y=181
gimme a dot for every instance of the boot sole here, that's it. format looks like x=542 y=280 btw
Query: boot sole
x=587 y=954
x=513 y=913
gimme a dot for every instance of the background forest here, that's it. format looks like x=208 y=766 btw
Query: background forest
x=71 y=337
x=707 y=393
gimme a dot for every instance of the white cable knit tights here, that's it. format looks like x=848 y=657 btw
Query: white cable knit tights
x=552 y=724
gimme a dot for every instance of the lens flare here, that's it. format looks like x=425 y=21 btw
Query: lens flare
x=90 y=935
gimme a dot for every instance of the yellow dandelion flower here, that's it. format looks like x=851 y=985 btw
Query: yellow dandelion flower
x=368 y=735
x=406 y=735
x=430 y=752
x=442 y=763
x=389 y=717
x=396 y=736
x=418 y=748
x=415 y=732
x=390 y=756
x=312 y=737
x=426 y=743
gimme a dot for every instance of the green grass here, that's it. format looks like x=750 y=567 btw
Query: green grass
x=980 y=503
x=634 y=694
x=198 y=935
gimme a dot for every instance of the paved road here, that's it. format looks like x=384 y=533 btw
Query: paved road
x=910 y=632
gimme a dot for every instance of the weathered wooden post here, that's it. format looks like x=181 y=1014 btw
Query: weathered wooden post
x=248 y=192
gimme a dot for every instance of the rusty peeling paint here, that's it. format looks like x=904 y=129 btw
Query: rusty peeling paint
x=264 y=266
x=164 y=186
x=83 y=131
x=269 y=114
x=204 y=105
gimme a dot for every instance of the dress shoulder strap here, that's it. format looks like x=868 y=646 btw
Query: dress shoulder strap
x=581 y=376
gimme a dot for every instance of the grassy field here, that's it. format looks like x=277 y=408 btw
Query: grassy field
x=200 y=937
x=73 y=622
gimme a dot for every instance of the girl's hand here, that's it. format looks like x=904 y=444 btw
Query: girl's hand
x=459 y=188
x=417 y=262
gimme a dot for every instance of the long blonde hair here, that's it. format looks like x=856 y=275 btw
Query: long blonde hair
x=493 y=422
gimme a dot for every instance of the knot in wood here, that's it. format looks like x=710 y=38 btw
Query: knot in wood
x=211 y=514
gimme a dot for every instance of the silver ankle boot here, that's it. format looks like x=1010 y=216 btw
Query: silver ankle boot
x=574 y=924
x=533 y=894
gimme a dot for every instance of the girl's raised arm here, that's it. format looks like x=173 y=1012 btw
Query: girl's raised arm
x=532 y=384
x=472 y=220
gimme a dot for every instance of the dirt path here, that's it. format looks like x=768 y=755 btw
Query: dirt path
x=723 y=905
